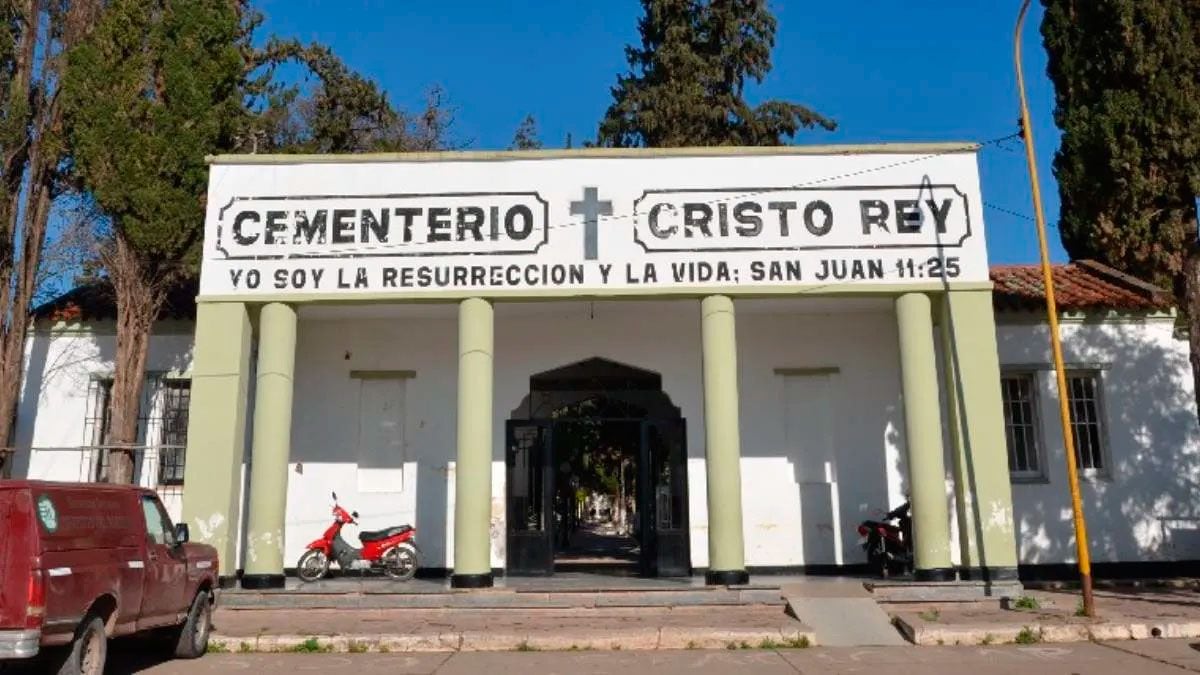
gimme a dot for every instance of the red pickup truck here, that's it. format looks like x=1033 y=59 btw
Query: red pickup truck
x=80 y=563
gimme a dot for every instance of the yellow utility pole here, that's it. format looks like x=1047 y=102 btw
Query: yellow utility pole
x=1081 y=537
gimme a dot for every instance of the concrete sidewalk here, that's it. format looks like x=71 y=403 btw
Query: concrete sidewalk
x=1052 y=616
x=1144 y=658
x=410 y=630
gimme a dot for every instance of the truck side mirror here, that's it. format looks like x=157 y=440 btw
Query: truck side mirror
x=181 y=533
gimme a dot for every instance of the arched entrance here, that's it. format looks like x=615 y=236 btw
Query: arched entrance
x=596 y=460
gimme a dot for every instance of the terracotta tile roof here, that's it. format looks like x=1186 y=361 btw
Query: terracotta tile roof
x=95 y=302
x=1080 y=285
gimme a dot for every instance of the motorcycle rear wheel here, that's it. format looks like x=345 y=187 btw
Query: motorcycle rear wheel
x=313 y=565
x=400 y=562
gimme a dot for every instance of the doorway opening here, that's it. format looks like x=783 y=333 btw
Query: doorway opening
x=597 y=474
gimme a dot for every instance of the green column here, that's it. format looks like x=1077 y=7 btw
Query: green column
x=981 y=458
x=272 y=445
x=968 y=550
x=473 y=470
x=723 y=455
x=923 y=424
x=217 y=429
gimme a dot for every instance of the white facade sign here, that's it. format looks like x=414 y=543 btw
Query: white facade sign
x=590 y=224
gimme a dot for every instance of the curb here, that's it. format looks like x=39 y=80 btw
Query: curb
x=784 y=636
x=924 y=633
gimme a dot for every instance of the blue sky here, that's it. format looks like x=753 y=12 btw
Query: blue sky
x=886 y=70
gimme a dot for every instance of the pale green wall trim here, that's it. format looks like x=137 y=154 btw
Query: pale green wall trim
x=525 y=295
x=473 y=468
x=608 y=153
x=216 y=429
x=820 y=370
x=272 y=440
x=923 y=428
x=383 y=374
x=969 y=351
x=723 y=454
x=968 y=543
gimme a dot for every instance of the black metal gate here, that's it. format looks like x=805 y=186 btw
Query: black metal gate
x=530 y=513
x=662 y=498
x=662 y=512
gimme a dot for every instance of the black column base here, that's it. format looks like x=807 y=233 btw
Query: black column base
x=226 y=582
x=727 y=577
x=935 y=574
x=989 y=574
x=1001 y=574
x=471 y=580
x=257 y=582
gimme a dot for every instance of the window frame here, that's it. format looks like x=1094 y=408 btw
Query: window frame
x=1039 y=441
x=1103 y=452
x=163 y=393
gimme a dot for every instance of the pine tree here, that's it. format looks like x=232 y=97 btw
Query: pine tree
x=1127 y=92
x=150 y=93
x=526 y=136
x=686 y=82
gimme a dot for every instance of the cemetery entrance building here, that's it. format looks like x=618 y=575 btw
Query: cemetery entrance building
x=697 y=361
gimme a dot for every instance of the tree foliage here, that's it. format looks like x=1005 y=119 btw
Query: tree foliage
x=155 y=88
x=526 y=136
x=1127 y=92
x=686 y=81
x=35 y=35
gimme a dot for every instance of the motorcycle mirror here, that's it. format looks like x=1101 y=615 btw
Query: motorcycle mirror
x=354 y=514
x=334 y=496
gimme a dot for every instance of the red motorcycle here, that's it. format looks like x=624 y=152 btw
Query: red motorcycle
x=391 y=550
x=888 y=546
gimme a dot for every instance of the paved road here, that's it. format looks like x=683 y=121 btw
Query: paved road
x=1148 y=657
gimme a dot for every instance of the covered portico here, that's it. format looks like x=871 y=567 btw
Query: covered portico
x=950 y=419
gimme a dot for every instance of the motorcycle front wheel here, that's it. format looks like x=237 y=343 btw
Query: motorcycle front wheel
x=400 y=562
x=313 y=565
x=877 y=559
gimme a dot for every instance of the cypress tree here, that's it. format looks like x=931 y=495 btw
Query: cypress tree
x=1127 y=91
x=686 y=81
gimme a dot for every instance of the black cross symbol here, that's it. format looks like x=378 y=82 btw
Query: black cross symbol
x=591 y=208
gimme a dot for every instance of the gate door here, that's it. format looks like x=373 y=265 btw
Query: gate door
x=662 y=484
x=530 y=514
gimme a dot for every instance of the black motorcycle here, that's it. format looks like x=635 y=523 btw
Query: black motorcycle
x=889 y=545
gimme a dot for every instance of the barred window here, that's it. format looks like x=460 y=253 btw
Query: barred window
x=1021 y=432
x=96 y=426
x=1087 y=424
x=176 y=395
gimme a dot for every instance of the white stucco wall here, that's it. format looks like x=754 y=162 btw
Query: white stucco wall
x=858 y=338
x=59 y=365
x=1146 y=508
x=830 y=367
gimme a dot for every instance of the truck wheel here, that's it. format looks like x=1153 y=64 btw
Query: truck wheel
x=88 y=650
x=192 y=639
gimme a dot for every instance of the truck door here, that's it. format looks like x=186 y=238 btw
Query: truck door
x=166 y=568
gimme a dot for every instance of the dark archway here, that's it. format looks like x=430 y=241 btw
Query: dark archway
x=597 y=474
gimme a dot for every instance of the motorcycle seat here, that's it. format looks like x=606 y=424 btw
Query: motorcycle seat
x=364 y=537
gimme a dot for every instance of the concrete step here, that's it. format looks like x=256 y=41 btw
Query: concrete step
x=943 y=591
x=500 y=599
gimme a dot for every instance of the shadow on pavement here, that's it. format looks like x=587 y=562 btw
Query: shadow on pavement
x=125 y=656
